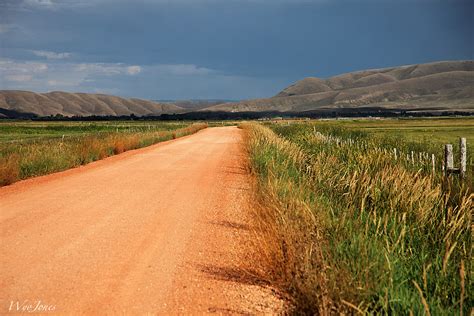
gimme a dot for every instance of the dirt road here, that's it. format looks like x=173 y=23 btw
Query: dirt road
x=161 y=229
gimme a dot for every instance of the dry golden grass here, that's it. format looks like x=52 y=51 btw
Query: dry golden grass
x=9 y=169
x=348 y=229
x=287 y=237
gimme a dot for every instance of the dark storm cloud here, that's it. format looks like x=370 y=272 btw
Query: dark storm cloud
x=249 y=47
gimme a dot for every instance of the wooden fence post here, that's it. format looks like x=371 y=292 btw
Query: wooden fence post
x=448 y=158
x=433 y=164
x=463 y=158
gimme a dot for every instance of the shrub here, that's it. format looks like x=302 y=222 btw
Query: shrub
x=119 y=146
x=9 y=169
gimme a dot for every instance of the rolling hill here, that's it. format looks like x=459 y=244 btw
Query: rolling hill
x=445 y=85
x=80 y=104
x=440 y=86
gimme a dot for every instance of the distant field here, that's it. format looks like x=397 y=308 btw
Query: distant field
x=30 y=149
x=437 y=130
x=25 y=131
x=429 y=134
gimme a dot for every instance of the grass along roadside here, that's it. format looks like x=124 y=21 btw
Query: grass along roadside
x=347 y=229
x=287 y=237
x=22 y=160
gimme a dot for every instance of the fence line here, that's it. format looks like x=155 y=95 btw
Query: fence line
x=421 y=159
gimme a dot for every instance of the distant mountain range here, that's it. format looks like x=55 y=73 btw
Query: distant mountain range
x=443 y=85
x=440 y=86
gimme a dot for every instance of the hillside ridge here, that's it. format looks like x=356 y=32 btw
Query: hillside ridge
x=443 y=85
x=80 y=104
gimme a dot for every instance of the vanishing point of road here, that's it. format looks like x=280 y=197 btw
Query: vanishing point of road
x=163 y=229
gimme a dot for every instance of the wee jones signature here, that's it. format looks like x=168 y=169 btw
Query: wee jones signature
x=28 y=306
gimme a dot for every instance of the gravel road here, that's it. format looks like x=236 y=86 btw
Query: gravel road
x=162 y=229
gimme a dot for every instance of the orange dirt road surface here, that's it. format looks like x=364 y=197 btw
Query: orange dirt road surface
x=162 y=229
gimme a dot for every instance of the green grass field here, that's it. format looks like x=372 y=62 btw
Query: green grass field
x=344 y=226
x=20 y=131
x=427 y=134
x=29 y=149
x=431 y=130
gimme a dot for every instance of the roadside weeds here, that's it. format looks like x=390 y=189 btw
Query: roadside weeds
x=50 y=156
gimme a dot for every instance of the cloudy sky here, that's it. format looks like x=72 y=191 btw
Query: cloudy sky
x=226 y=49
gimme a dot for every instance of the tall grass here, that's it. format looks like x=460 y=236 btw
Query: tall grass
x=24 y=160
x=349 y=229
